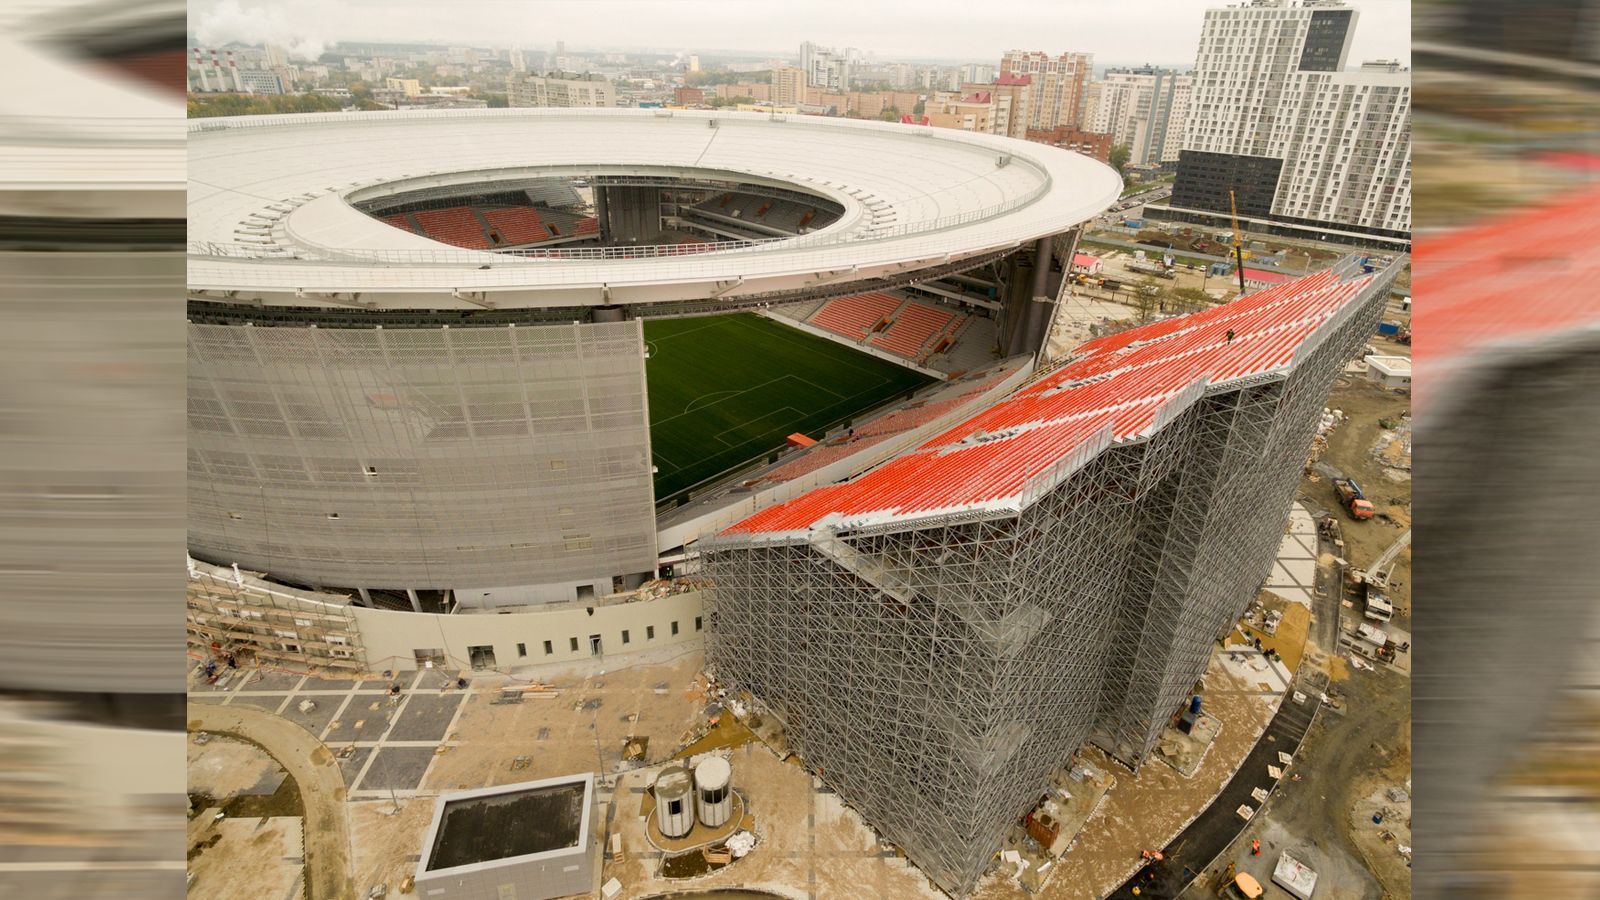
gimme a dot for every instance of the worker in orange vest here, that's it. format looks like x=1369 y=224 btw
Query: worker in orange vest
x=1255 y=848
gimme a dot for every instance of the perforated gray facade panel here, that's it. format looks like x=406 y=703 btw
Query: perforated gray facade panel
x=427 y=458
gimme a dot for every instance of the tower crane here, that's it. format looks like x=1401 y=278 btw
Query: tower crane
x=1238 y=239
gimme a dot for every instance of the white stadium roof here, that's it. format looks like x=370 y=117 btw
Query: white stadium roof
x=270 y=217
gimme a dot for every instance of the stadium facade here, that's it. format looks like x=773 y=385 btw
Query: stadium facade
x=940 y=635
x=416 y=368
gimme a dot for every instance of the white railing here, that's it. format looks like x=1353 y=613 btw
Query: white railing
x=445 y=256
x=448 y=256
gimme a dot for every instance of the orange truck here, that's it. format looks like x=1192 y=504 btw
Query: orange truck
x=1351 y=498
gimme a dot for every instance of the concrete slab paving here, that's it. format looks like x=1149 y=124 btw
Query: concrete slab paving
x=313 y=683
x=400 y=768
x=268 y=702
x=364 y=719
x=351 y=766
x=264 y=680
x=319 y=716
x=425 y=717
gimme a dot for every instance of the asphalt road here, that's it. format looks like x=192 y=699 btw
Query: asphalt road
x=1214 y=829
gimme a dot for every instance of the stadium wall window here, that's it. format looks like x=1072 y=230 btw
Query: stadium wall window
x=574 y=645
x=549 y=648
x=696 y=623
x=522 y=649
x=624 y=635
x=649 y=632
x=674 y=627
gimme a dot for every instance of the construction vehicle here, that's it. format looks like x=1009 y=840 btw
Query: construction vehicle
x=1377 y=575
x=1242 y=886
x=1238 y=239
x=1351 y=498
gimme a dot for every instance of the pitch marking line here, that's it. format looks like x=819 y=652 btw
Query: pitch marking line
x=748 y=423
x=737 y=393
x=675 y=468
x=691 y=407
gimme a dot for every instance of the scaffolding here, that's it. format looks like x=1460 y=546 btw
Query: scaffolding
x=936 y=671
x=235 y=612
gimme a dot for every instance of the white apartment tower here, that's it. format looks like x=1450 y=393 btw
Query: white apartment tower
x=1058 y=85
x=1277 y=118
x=1144 y=109
x=826 y=68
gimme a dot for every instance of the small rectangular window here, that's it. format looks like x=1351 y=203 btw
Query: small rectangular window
x=372 y=471
x=522 y=649
x=574 y=645
x=333 y=515
x=624 y=635
x=550 y=648
x=696 y=623
x=649 y=632
x=674 y=627
x=234 y=515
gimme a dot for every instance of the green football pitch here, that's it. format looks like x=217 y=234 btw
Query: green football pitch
x=728 y=389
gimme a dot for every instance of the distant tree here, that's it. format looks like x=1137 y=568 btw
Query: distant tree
x=1149 y=297
x=1119 y=157
x=496 y=101
x=921 y=106
x=205 y=105
x=1187 y=299
x=890 y=114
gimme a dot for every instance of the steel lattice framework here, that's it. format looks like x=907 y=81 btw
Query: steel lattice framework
x=936 y=669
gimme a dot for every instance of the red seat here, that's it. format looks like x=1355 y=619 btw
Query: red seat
x=453 y=225
x=855 y=316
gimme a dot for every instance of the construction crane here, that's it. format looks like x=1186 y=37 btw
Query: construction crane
x=1378 y=573
x=1238 y=239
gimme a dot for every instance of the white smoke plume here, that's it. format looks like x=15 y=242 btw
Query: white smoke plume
x=231 y=21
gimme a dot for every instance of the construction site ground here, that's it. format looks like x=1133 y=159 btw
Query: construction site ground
x=1144 y=810
x=1362 y=749
x=1351 y=453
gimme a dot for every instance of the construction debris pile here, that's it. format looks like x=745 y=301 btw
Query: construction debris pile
x=1331 y=419
x=1393 y=448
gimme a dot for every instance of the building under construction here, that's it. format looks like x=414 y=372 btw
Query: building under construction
x=940 y=635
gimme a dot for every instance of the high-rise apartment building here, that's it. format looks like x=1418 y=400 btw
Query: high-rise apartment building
x=788 y=86
x=552 y=90
x=1278 y=119
x=1143 y=109
x=1058 y=82
x=827 y=68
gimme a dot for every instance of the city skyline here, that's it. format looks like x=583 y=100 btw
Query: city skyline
x=1167 y=34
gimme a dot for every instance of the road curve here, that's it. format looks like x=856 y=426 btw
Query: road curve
x=322 y=791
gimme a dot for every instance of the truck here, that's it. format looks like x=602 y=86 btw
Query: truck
x=1379 y=609
x=1351 y=498
x=1151 y=267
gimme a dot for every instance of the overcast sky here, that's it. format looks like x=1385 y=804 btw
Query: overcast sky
x=1115 y=31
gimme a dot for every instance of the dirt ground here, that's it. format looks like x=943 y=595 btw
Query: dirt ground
x=1148 y=809
x=583 y=728
x=224 y=767
x=1361 y=750
x=1349 y=453
x=808 y=842
x=265 y=854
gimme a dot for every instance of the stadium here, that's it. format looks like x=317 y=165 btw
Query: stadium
x=465 y=387
x=488 y=359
